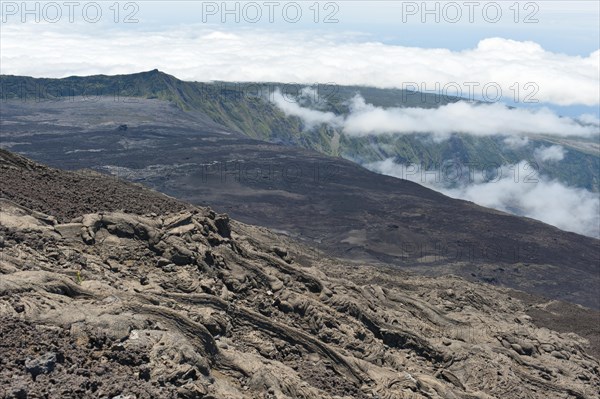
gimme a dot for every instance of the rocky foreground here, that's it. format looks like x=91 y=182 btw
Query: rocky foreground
x=110 y=290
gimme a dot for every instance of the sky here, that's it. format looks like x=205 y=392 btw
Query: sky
x=537 y=53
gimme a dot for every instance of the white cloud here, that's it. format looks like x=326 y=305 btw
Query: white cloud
x=554 y=153
x=589 y=119
x=310 y=117
x=460 y=117
x=475 y=119
x=195 y=52
x=537 y=197
x=516 y=141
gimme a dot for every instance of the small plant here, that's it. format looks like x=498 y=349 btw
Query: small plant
x=78 y=277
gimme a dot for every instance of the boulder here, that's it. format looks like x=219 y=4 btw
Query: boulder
x=70 y=230
x=222 y=225
x=43 y=364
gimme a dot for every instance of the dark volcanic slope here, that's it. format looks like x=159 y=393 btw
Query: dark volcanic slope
x=348 y=210
x=192 y=305
x=43 y=189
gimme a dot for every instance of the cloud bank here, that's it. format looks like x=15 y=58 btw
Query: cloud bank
x=460 y=117
x=195 y=52
x=568 y=208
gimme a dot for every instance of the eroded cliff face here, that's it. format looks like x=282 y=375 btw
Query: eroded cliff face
x=189 y=304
